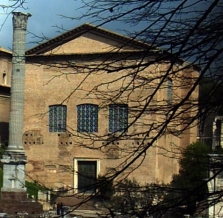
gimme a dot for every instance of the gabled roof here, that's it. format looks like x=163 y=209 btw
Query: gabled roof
x=80 y=30
x=137 y=47
x=2 y=50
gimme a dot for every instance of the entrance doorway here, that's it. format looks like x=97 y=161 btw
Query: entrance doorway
x=86 y=176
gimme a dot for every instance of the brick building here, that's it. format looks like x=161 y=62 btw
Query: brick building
x=5 y=79
x=83 y=104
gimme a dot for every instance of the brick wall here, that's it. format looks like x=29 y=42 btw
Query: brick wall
x=52 y=156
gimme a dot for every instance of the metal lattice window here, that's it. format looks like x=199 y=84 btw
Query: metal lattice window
x=87 y=118
x=169 y=91
x=57 y=118
x=118 y=117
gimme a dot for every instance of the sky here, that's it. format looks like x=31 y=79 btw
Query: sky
x=46 y=15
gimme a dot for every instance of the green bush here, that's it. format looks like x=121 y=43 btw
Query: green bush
x=33 y=188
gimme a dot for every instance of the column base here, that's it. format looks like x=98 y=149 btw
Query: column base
x=17 y=196
x=14 y=202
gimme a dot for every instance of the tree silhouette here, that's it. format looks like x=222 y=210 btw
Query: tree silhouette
x=178 y=36
x=186 y=30
x=10 y=7
x=195 y=157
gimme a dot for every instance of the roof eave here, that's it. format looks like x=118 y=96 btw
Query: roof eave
x=69 y=35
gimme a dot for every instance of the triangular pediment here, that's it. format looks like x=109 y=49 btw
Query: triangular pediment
x=87 y=39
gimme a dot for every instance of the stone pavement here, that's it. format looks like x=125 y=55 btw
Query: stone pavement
x=78 y=202
x=74 y=214
x=76 y=207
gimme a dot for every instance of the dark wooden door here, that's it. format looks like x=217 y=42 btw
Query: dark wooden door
x=87 y=176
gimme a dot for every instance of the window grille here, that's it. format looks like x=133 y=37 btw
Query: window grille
x=57 y=118
x=87 y=118
x=118 y=117
x=169 y=91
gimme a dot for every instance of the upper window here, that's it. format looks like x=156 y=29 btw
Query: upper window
x=87 y=118
x=118 y=117
x=169 y=90
x=57 y=118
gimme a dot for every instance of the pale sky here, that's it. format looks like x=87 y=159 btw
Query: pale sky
x=45 y=17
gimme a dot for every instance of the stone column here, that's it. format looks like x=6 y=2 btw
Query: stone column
x=17 y=82
x=14 y=159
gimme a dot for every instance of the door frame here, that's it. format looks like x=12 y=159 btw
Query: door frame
x=76 y=170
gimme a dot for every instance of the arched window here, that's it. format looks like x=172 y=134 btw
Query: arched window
x=169 y=90
x=118 y=117
x=57 y=118
x=87 y=118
